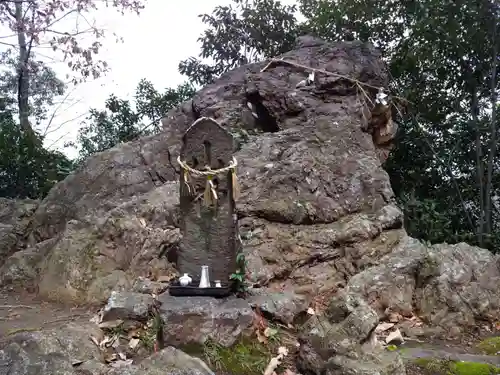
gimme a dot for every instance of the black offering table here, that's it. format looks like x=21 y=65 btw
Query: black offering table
x=176 y=289
x=208 y=220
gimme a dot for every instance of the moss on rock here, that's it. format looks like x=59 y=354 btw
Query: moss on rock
x=471 y=368
x=490 y=346
x=447 y=367
x=245 y=357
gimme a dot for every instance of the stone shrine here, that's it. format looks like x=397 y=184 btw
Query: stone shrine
x=208 y=189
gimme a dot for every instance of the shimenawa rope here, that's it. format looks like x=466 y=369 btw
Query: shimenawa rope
x=210 y=196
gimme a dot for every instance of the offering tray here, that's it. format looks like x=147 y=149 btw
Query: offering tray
x=192 y=290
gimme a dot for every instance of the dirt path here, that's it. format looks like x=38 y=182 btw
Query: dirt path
x=28 y=313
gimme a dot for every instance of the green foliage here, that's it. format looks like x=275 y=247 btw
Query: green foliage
x=123 y=120
x=241 y=33
x=439 y=54
x=149 y=338
x=27 y=170
x=239 y=276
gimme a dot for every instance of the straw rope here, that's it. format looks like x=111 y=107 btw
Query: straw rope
x=210 y=195
x=358 y=83
x=208 y=171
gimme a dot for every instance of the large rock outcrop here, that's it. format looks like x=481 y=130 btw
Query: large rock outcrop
x=317 y=212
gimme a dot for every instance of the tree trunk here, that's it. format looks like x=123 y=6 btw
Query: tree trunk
x=23 y=72
x=479 y=162
x=493 y=142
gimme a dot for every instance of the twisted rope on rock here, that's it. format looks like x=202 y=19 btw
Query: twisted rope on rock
x=358 y=83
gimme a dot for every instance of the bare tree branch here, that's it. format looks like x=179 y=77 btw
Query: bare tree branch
x=45 y=132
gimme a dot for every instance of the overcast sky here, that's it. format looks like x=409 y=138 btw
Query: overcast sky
x=154 y=42
x=163 y=34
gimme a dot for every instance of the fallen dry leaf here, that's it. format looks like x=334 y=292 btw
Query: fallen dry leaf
x=94 y=319
x=111 y=324
x=109 y=341
x=384 y=326
x=165 y=278
x=302 y=83
x=272 y=365
x=282 y=351
x=276 y=361
x=95 y=340
x=135 y=333
x=394 y=337
x=260 y=337
x=97 y=318
x=133 y=343
x=122 y=363
x=116 y=342
x=110 y=357
x=395 y=318
x=105 y=342
x=259 y=322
